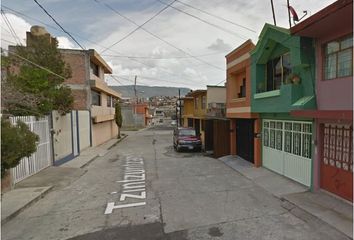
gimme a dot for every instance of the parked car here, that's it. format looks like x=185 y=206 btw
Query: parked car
x=173 y=123
x=186 y=138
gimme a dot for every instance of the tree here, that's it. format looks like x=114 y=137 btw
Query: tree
x=32 y=90
x=16 y=142
x=118 y=117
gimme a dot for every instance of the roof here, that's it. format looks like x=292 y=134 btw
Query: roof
x=329 y=18
x=215 y=86
x=97 y=59
x=196 y=92
x=249 y=41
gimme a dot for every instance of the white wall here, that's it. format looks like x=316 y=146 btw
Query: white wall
x=62 y=138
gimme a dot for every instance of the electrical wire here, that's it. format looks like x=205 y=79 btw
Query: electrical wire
x=218 y=17
x=165 y=41
x=137 y=28
x=12 y=31
x=95 y=43
x=209 y=23
x=161 y=58
x=56 y=22
x=33 y=63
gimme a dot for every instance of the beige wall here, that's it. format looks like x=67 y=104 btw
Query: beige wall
x=84 y=129
x=103 y=131
x=216 y=95
x=62 y=137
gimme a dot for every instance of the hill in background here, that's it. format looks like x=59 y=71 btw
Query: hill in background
x=147 y=91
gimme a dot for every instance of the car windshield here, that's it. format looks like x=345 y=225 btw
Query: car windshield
x=187 y=132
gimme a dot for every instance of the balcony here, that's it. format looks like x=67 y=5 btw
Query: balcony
x=102 y=114
x=99 y=85
x=280 y=100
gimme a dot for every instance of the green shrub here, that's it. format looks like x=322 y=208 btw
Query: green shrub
x=16 y=142
x=118 y=117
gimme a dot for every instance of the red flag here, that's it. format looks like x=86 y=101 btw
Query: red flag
x=293 y=13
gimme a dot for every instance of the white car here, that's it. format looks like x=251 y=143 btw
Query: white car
x=173 y=123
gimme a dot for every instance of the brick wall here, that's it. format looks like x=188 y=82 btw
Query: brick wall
x=76 y=60
x=80 y=97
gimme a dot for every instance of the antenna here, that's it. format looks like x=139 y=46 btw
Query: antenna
x=275 y=22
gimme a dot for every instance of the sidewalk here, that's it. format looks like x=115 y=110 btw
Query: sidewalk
x=330 y=209
x=37 y=186
x=90 y=154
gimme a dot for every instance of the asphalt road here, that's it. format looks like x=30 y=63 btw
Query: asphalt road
x=180 y=196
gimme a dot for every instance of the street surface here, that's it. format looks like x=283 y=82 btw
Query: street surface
x=142 y=189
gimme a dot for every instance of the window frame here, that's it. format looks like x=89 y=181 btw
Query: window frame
x=196 y=100
x=203 y=102
x=109 y=101
x=336 y=53
x=283 y=79
x=99 y=98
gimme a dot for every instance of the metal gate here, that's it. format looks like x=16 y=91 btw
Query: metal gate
x=221 y=133
x=245 y=139
x=287 y=149
x=337 y=159
x=42 y=158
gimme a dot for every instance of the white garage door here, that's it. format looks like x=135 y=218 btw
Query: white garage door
x=287 y=149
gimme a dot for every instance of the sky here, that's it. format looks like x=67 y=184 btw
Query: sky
x=180 y=47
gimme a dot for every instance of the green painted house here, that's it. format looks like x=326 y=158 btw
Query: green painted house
x=282 y=80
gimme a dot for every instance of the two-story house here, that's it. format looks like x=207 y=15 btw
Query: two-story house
x=244 y=124
x=282 y=80
x=91 y=92
x=187 y=104
x=332 y=32
x=196 y=118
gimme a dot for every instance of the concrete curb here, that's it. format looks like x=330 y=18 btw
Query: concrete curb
x=119 y=140
x=28 y=204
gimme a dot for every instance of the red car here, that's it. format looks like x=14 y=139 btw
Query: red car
x=186 y=138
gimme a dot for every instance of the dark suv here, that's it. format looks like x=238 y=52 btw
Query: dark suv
x=186 y=138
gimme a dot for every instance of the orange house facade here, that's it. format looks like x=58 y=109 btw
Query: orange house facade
x=244 y=125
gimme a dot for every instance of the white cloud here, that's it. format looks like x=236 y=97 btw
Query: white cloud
x=184 y=32
x=64 y=42
x=19 y=25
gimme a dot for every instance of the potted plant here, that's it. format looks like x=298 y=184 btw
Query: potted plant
x=292 y=78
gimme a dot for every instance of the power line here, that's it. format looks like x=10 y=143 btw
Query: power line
x=160 y=58
x=131 y=59
x=33 y=63
x=136 y=29
x=204 y=21
x=218 y=17
x=95 y=43
x=166 y=42
x=12 y=31
x=220 y=82
x=58 y=24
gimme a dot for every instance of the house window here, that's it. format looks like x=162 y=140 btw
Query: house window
x=109 y=101
x=339 y=58
x=196 y=103
x=94 y=69
x=277 y=71
x=96 y=98
x=242 y=92
x=203 y=102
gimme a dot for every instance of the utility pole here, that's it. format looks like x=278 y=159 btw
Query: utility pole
x=177 y=112
x=180 y=107
x=275 y=22
x=288 y=6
